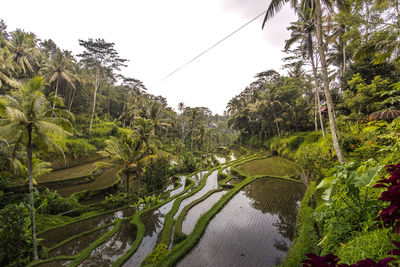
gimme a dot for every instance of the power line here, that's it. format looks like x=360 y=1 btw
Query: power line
x=211 y=47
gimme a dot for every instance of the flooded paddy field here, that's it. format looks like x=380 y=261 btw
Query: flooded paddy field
x=154 y=223
x=54 y=236
x=194 y=213
x=255 y=228
x=113 y=248
x=55 y=263
x=78 y=244
x=211 y=183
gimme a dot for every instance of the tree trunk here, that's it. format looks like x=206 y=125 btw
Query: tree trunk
x=328 y=97
x=96 y=86
x=315 y=113
x=318 y=102
x=71 y=99
x=127 y=183
x=55 y=95
x=32 y=207
x=123 y=113
x=183 y=132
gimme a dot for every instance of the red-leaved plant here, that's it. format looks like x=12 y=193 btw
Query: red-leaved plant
x=389 y=216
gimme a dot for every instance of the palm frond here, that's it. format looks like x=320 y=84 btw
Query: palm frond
x=274 y=7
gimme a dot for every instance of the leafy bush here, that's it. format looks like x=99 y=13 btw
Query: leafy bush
x=294 y=142
x=313 y=161
x=350 y=203
x=156 y=173
x=158 y=254
x=98 y=142
x=104 y=129
x=14 y=235
x=79 y=148
x=374 y=245
x=189 y=163
x=146 y=202
x=50 y=202
x=117 y=201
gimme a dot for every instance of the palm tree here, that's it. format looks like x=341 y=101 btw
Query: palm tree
x=59 y=68
x=274 y=7
x=156 y=114
x=194 y=114
x=22 y=47
x=181 y=107
x=6 y=67
x=179 y=146
x=144 y=130
x=125 y=151
x=303 y=30
x=26 y=119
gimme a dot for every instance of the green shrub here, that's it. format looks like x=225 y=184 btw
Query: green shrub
x=313 y=161
x=79 y=148
x=50 y=202
x=98 y=142
x=156 y=173
x=157 y=254
x=14 y=235
x=312 y=137
x=189 y=163
x=104 y=129
x=294 y=142
x=117 y=201
x=373 y=245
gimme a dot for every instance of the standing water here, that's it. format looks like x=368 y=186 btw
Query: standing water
x=255 y=228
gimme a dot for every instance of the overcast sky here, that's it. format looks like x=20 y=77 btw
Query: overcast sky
x=158 y=36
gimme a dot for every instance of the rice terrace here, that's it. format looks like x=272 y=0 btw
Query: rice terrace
x=200 y=133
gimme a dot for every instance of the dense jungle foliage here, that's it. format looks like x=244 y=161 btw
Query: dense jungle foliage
x=344 y=217
x=335 y=113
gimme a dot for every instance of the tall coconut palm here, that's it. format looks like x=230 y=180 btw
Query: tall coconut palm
x=303 y=30
x=59 y=67
x=6 y=67
x=22 y=47
x=144 y=130
x=274 y=7
x=156 y=114
x=27 y=119
x=124 y=151
x=194 y=114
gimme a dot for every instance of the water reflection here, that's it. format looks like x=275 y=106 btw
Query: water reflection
x=220 y=159
x=55 y=236
x=211 y=183
x=55 y=263
x=113 y=248
x=198 y=177
x=255 y=228
x=154 y=222
x=194 y=213
x=180 y=189
x=76 y=245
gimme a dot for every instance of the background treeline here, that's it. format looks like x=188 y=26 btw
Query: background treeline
x=360 y=40
x=99 y=97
